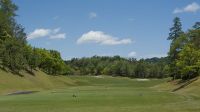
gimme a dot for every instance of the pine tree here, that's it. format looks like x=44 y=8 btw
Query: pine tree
x=175 y=33
x=197 y=26
x=176 y=30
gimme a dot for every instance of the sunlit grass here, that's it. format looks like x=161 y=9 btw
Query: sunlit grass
x=104 y=94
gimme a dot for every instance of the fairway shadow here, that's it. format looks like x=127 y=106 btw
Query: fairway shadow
x=22 y=93
x=186 y=83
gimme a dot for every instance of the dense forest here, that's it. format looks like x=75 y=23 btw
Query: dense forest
x=118 y=66
x=17 y=55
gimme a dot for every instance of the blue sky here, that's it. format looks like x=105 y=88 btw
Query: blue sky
x=83 y=28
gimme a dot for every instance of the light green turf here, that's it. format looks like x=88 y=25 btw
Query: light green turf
x=103 y=94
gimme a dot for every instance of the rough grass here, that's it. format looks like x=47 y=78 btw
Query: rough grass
x=38 y=82
x=105 y=94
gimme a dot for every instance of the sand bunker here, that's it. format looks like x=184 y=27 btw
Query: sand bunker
x=142 y=79
x=99 y=76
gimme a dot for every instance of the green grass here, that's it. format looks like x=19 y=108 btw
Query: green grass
x=39 y=82
x=107 y=94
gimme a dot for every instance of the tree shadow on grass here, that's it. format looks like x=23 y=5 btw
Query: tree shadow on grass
x=31 y=72
x=17 y=73
x=11 y=71
x=185 y=83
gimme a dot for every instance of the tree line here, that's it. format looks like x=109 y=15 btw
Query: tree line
x=118 y=66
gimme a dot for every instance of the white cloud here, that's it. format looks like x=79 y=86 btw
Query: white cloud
x=50 y=33
x=92 y=15
x=37 y=33
x=58 y=36
x=100 y=37
x=194 y=7
x=132 y=54
x=177 y=10
x=56 y=30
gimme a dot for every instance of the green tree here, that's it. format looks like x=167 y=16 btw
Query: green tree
x=188 y=63
x=13 y=55
x=194 y=37
x=197 y=26
x=7 y=12
x=175 y=33
x=32 y=58
x=141 y=70
x=176 y=30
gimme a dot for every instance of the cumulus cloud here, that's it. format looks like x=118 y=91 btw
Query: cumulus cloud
x=49 y=33
x=37 y=33
x=100 y=37
x=132 y=54
x=194 y=7
x=92 y=15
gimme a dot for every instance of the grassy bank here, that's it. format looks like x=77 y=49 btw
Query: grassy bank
x=40 y=81
x=97 y=94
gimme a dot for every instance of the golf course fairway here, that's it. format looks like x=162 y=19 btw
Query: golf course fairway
x=103 y=94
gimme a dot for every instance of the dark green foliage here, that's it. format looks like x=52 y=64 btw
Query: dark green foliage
x=118 y=66
x=175 y=33
x=176 y=30
x=11 y=34
x=197 y=26
x=185 y=53
x=12 y=55
x=189 y=62
x=194 y=37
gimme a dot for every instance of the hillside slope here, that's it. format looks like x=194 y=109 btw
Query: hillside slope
x=191 y=87
x=40 y=81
